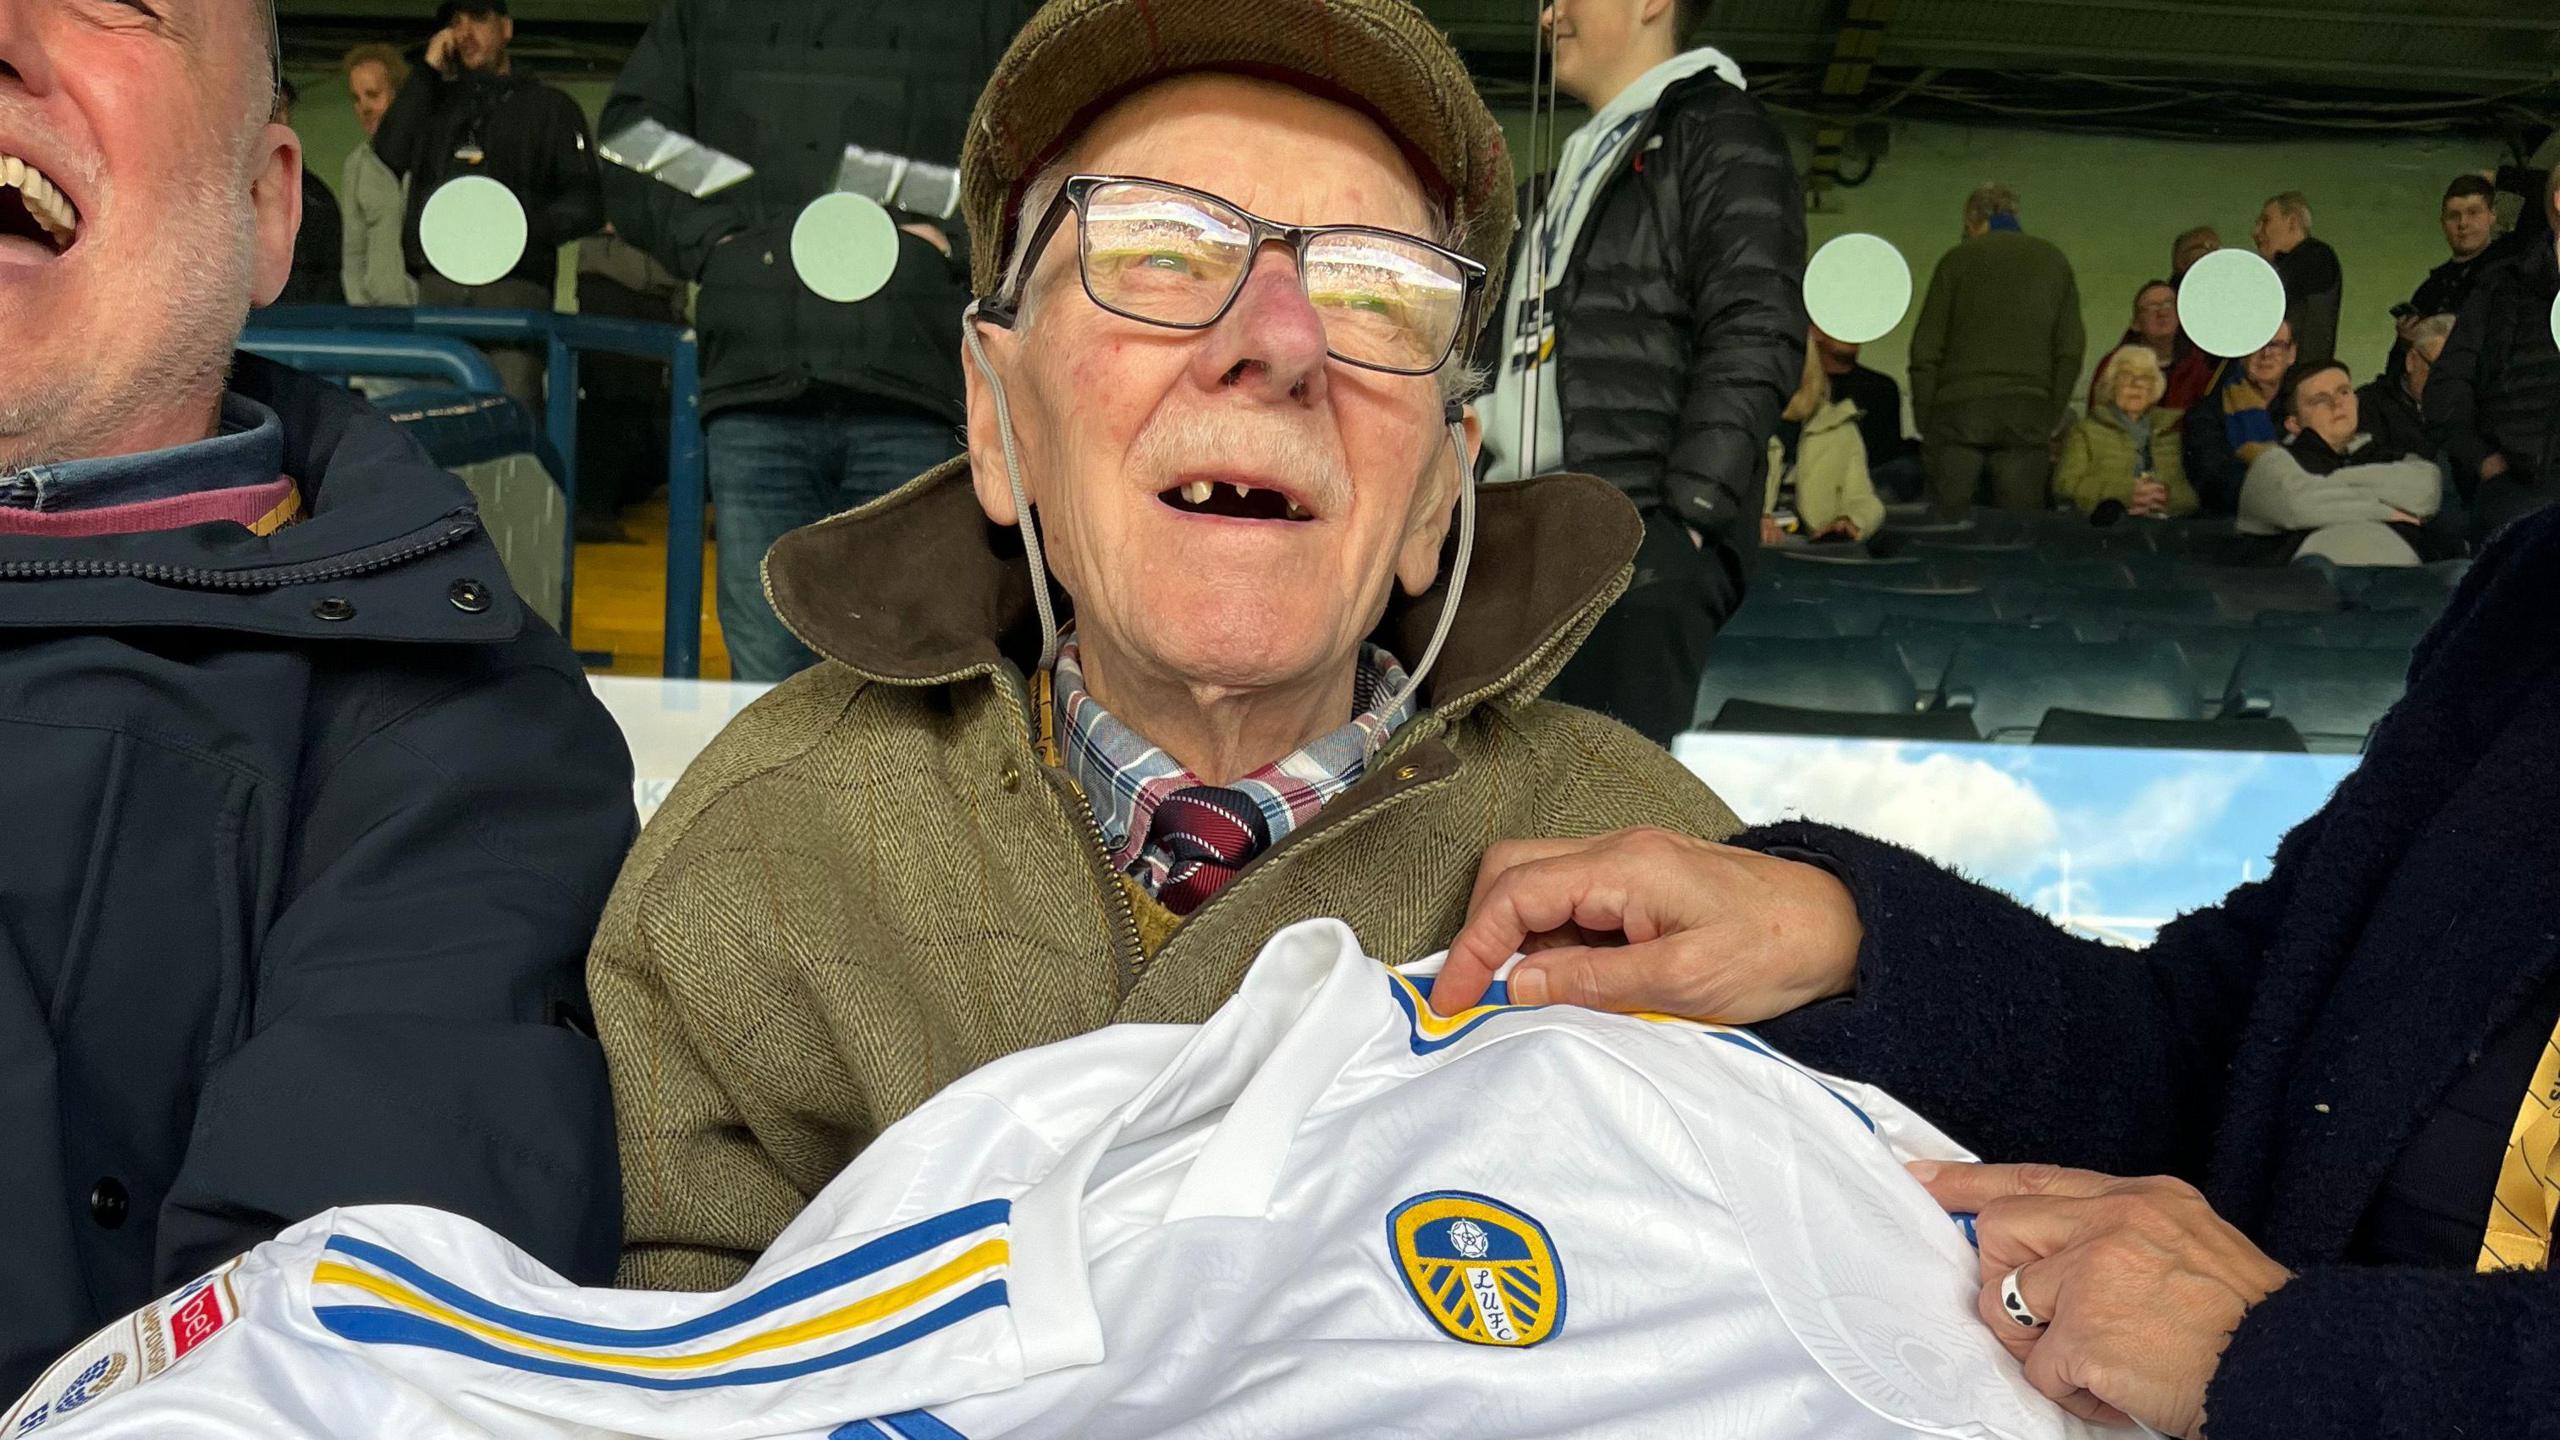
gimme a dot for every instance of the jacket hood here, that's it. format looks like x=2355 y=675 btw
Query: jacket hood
x=918 y=588
x=385 y=532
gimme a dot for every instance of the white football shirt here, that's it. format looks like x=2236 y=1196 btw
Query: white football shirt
x=1327 y=1211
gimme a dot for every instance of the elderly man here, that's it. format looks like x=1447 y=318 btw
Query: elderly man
x=308 y=820
x=1995 y=361
x=2314 y=283
x=1225 y=257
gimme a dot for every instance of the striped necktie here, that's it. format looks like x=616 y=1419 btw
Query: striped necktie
x=2520 y=1215
x=1211 y=832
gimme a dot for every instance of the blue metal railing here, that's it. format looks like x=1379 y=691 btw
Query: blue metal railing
x=349 y=340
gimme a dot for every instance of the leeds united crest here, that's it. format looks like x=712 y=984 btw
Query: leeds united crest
x=1484 y=1272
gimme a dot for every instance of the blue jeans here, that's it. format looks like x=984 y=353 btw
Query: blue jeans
x=772 y=472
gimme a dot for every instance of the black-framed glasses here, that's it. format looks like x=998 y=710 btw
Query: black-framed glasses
x=1166 y=254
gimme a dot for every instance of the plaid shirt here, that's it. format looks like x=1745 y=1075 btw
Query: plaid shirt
x=1124 y=775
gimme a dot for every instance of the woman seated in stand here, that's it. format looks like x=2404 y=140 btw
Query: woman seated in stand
x=2122 y=458
x=1819 y=489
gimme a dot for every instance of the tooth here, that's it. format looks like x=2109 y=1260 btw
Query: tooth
x=1197 y=492
x=13 y=171
x=1241 y=488
x=1297 y=511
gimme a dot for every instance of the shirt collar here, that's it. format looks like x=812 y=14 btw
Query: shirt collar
x=1124 y=775
x=247 y=449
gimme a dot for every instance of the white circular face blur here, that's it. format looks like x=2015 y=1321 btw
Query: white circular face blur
x=2230 y=303
x=2555 y=320
x=473 y=230
x=844 y=247
x=1857 y=288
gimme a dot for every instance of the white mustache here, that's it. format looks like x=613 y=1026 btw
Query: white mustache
x=1193 y=441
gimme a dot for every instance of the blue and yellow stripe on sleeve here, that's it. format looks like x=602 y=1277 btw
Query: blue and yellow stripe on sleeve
x=880 y=1296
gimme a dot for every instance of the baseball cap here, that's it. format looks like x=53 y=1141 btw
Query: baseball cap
x=1077 y=58
x=451 y=8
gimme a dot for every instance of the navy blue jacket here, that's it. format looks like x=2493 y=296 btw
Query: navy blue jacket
x=2280 y=1048
x=306 y=836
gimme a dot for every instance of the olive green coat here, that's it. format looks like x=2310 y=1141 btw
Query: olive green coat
x=869 y=884
x=2098 y=460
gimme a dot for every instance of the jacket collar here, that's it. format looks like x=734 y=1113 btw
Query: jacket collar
x=917 y=588
x=1833 y=414
x=381 y=518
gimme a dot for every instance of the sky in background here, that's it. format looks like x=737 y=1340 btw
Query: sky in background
x=2115 y=841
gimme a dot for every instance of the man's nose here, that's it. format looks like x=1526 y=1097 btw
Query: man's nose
x=1271 y=342
x=22 y=59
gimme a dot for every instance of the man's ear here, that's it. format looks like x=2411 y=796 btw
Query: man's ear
x=275 y=194
x=506 y=30
x=987 y=474
x=1435 y=507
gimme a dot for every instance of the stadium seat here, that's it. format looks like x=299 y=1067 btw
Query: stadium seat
x=2422 y=588
x=2349 y=629
x=2078 y=727
x=2087 y=573
x=2212 y=651
x=2247 y=591
x=1834 y=558
x=1862 y=675
x=2333 y=696
x=1928 y=644
x=1774 y=616
x=1757 y=718
x=2189 y=607
x=2009 y=682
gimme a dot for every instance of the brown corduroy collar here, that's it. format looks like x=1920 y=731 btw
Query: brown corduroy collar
x=917 y=588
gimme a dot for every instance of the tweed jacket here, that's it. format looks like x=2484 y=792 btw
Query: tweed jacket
x=869 y=884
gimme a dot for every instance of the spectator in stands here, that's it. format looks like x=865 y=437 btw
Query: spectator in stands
x=1672 y=353
x=1819 y=489
x=2232 y=426
x=2494 y=400
x=2185 y=369
x=2331 y=489
x=810 y=407
x=375 y=269
x=963 y=833
x=314 y=280
x=2122 y=458
x=2314 y=283
x=2190 y=247
x=466 y=111
x=2392 y=405
x=2316 y=1079
x=1995 y=360
x=1893 y=460
x=309 y=819
x=2470 y=224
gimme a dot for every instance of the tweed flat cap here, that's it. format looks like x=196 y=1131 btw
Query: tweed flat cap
x=1077 y=58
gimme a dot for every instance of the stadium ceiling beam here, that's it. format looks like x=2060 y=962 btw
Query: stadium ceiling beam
x=1856 y=44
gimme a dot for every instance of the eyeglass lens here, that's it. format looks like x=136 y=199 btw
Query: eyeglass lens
x=1175 y=258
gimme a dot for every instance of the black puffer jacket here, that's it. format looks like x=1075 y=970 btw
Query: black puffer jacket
x=307 y=837
x=2496 y=388
x=786 y=85
x=1680 y=324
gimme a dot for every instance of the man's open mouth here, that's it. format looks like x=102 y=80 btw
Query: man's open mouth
x=33 y=210
x=1233 y=500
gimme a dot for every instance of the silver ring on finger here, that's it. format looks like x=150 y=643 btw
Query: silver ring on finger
x=2014 y=1305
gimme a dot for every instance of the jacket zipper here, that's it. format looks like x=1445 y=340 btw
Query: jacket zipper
x=1129 y=953
x=459 y=525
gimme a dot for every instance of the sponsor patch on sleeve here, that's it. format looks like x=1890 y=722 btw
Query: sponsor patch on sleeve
x=134 y=1349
